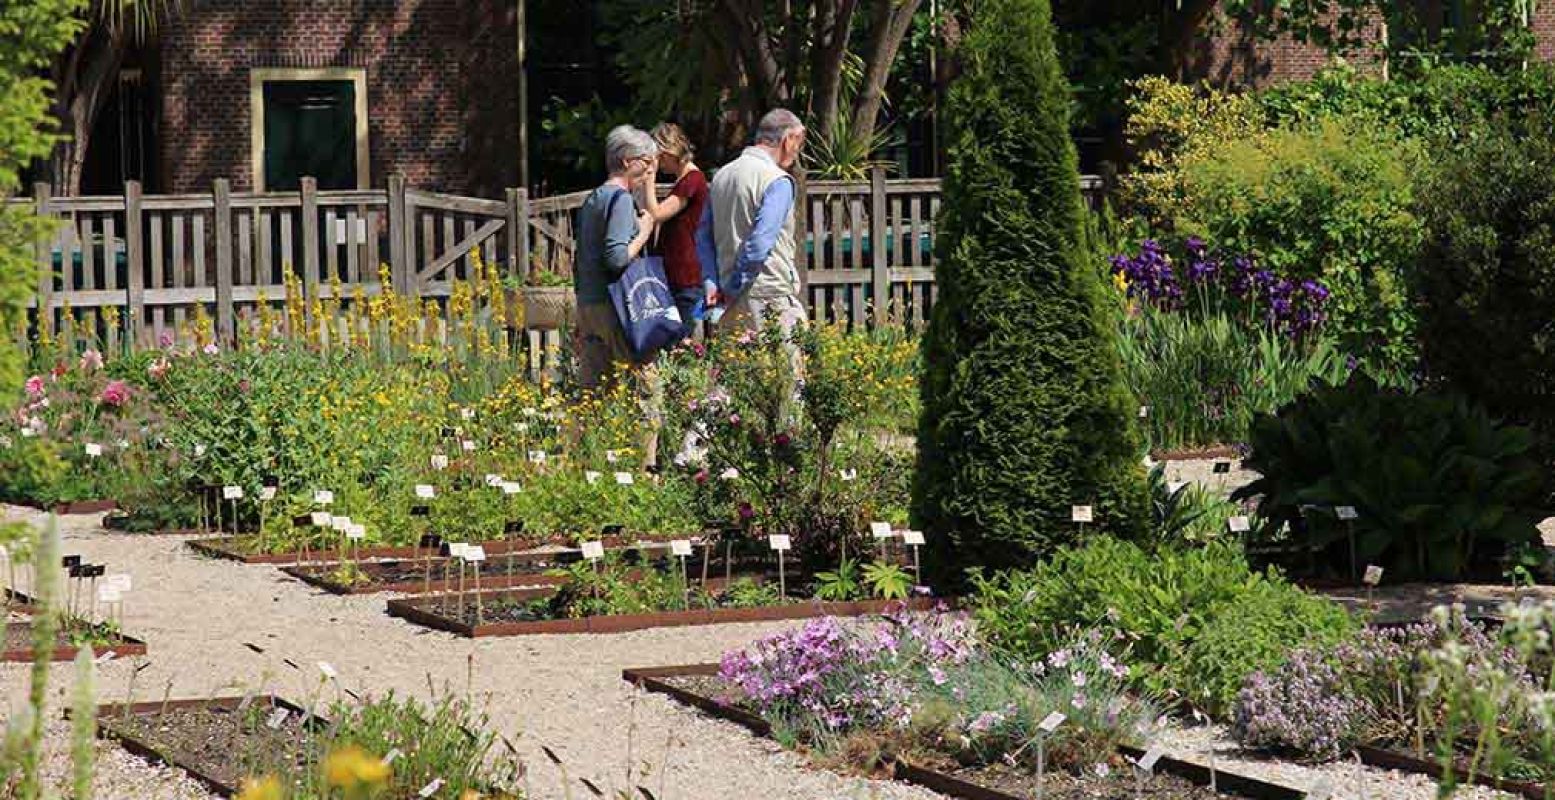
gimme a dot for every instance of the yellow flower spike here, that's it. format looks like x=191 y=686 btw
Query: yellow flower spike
x=267 y=788
x=351 y=767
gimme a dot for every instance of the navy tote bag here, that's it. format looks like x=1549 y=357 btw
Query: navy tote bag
x=644 y=303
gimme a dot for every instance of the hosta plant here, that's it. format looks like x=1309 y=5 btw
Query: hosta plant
x=1441 y=489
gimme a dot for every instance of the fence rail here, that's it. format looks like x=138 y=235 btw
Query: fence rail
x=866 y=250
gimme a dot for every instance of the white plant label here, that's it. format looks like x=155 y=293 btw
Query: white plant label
x=779 y=542
x=1144 y=411
x=457 y=549
x=109 y=594
x=248 y=700
x=880 y=530
x=356 y=532
x=913 y=538
x=267 y=493
x=493 y=480
x=592 y=477
x=467 y=413
x=122 y=444
x=324 y=497
x=1051 y=722
x=94 y=450
x=680 y=547
x=468 y=445
x=430 y=789
x=328 y=670
x=1081 y=514
x=509 y=487
x=593 y=551
x=848 y=475
x=232 y=493
x=120 y=581
x=1373 y=575
x=522 y=427
x=439 y=461
x=425 y=491
x=612 y=456
x=341 y=524
x=537 y=456
x=476 y=553
x=1346 y=512
x=1147 y=761
x=105 y=658
x=1239 y=524
x=277 y=719
x=388 y=758
x=625 y=478
x=320 y=519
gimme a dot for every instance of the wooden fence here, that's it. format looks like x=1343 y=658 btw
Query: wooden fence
x=867 y=250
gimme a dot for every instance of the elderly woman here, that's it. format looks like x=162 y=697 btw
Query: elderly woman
x=611 y=232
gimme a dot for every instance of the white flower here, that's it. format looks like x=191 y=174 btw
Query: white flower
x=730 y=474
x=1102 y=770
x=1078 y=679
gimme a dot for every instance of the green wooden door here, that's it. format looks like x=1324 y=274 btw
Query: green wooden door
x=310 y=129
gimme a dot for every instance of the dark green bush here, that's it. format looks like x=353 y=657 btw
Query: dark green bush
x=1487 y=274
x=1442 y=488
x=1024 y=411
x=1168 y=605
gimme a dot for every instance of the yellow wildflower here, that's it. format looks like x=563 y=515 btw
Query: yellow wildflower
x=351 y=767
x=267 y=788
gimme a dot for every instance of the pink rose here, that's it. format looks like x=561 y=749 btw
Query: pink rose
x=35 y=386
x=91 y=361
x=116 y=393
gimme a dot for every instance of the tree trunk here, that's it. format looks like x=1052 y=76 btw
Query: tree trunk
x=1182 y=28
x=761 y=68
x=86 y=77
x=889 y=24
x=828 y=46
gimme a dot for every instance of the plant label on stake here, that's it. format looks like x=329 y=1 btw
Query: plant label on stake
x=320 y=519
x=388 y=758
x=681 y=549
x=1082 y=514
x=324 y=497
x=266 y=493
x=94 y=450
x=232 y=493
x=612 y=456
x=624 y=478
x=591 y=476
x=511 y=488
x=1144 y=766
x=593 y=551
x=1144 y=411
x=425 y=491
x=915 y=540
x=493 y=480
x=537 y=456
x=1373 y=575
x=1045 y=728
x=439 y=462
x=1346 y=513
x=848 y=475
x=430 y=789
x=780 y=543
x=476 y=554
x=882 y=532
x=468 y=445
x=277 y=719
x=1239 y=524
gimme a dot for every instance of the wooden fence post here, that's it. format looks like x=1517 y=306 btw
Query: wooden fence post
x=518 y=233
x=44 y=252
x=226 y=330
x=134 y=257
x=802 y=255
x=310 y=240
x=881 y=279
x=398 y=265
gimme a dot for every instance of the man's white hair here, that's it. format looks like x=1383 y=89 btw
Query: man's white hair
x=776 y=124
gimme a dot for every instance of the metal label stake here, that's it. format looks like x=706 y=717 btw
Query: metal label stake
x=681 y=548
x=780 y=542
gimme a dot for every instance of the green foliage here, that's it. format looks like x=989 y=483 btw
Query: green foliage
x=1487 y=273
x=1332 y=201
x=1255 y=633
x=1205 y=377
x=446 y=738
x=1161 y=603
x=1024 y=414
x=747 y=593
x=31 y=33
x=1186 y=512
x=1442 y=488
x=839 y=584
x=887 y=581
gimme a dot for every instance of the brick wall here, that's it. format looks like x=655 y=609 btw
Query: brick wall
x=440 y=85
x=1225 y=53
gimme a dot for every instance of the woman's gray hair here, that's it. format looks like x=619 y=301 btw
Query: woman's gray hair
x=625 y=143
x=776 y=124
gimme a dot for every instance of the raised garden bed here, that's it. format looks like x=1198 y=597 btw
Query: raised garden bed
x=1217 y=451
x=240 y=549
x=1392 y=759
x=72 y=507
x=692 y=684
x=411 y=576
x=505 y=613
x=211 y=739
x=18 y=644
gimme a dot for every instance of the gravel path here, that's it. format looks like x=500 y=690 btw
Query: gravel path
x=561 y=691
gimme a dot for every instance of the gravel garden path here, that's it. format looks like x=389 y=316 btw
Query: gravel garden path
x=562 y=691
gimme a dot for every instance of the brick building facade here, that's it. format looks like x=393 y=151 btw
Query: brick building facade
x=439 y=79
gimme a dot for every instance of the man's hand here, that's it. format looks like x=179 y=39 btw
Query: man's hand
x=714 y=297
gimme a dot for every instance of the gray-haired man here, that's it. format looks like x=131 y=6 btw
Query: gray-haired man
x=745 y=239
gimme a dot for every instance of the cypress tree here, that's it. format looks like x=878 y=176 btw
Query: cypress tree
x=1024 y=411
